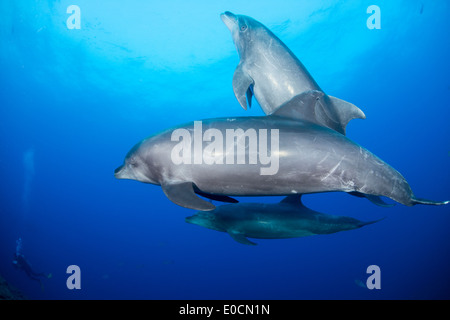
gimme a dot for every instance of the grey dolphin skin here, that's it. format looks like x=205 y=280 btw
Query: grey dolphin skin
x=287 y=219
x=289 y=157
x=272 y=73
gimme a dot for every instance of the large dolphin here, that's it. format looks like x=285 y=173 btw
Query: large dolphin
x=272 y=73
x=260 y=156
x=286 y=219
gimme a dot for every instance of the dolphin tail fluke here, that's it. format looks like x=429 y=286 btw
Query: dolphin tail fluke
x=428 y=202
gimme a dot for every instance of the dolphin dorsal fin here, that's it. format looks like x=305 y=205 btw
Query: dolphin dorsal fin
x=301 y=107
x=346 y=111
x=294 y=200
x=326 y=111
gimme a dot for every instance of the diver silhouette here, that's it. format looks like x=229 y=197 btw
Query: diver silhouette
x=19 y=262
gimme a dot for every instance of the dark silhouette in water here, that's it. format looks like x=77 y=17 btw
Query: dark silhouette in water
x=21 y=263
x=287 y=219
x=8 y=292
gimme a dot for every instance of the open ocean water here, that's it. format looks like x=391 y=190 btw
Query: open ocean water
x=74 y=101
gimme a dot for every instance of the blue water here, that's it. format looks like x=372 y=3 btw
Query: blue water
x=73 y=102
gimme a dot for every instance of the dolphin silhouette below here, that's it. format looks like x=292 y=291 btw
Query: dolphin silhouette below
x=286 y=219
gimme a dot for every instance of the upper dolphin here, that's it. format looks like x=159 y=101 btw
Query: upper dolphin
x=272 y=73
x=287 y=219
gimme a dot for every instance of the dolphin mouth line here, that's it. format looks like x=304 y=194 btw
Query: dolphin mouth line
x=118 y=172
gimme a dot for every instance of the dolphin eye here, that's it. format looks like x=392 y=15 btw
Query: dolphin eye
x=243 y=27
x=132 y=162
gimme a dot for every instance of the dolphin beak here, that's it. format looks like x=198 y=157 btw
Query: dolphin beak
x=229 y=19
x=193 y=219
x=118 y=173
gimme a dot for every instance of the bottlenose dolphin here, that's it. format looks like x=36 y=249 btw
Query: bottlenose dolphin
x=286 y=219
x=272 y=73
x=299 y=157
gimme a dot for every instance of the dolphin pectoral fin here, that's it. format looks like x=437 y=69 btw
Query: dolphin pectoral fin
x=242 y=83
x=239 y=237
x=346 y=111
x=183 y=194
x=374 y=199
x=378 y=201
x=362 y=224
x=215 y=196
x=249 y=95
